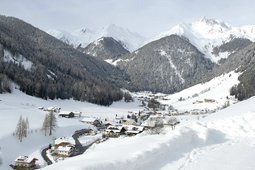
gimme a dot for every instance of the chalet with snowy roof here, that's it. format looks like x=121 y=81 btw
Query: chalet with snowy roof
x=133 y=130
x=114 y=131
x=63 y=147
x=25 y=163
x=52 y=109
x=64 y=151
x=70 y=114
x=92 y=121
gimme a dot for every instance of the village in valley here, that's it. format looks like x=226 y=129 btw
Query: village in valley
x=153 y=118
x=150 y=120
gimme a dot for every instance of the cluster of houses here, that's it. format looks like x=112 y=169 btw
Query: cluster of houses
x=133 y=124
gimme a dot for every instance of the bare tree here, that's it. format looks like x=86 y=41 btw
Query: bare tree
x=45 y=125
x=21 y=129
x=52 y=122
x=27 y=124
x=49 y=123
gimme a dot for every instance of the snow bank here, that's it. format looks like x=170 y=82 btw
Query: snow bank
x=144 y=152
x=204 y=144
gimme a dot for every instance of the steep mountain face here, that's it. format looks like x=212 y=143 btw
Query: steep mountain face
x=208 y=35
x=82 y=37
x=105 y=48
x=46 y=67
x=232 y=46
x=242 y=61
x=167 y=65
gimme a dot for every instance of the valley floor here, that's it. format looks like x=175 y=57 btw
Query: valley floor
x=221 y=140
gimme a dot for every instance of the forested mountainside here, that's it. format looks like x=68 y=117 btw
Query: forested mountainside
x=167 y=65
x=44 y=66
x=243 y=61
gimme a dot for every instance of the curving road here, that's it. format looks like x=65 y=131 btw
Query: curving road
x=45 y=157
x=78 y=150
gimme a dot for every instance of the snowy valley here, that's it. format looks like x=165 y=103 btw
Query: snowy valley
x=214 y=137
x=111 y=99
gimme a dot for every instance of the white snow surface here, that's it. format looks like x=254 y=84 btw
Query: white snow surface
x=18 y=59
x=194 y=97
x=83 y=37
x=226 y=136
x=13 y=105
x=209 y=142
x=206 y=34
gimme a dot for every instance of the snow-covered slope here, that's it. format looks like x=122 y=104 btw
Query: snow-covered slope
x=206 y=34
x=207 y=143
x=83 y=37
x=209 y=96
x=226 y=136
x=13 y=105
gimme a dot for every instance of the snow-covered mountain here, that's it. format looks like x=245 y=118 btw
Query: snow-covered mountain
x=209 y=34
x=167 y=65
x=105 y=48
x=82 y=37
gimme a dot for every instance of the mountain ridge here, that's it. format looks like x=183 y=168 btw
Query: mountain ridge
x=59 y=70
x=84 y=36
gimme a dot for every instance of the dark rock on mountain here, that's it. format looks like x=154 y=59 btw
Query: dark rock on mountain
x=232 y=46
x=57 y=70
x=167 y=65
x=106 y=48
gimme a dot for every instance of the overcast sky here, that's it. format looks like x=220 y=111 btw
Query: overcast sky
x=147 y=17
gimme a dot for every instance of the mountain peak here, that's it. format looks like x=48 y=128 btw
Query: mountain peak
x=213 y=22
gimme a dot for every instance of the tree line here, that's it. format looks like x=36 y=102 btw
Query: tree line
x=58 y=70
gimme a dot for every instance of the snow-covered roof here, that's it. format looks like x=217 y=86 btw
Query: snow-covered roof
x=89 y=119
x=132 y=128
x=115 y=129
x=64 y=140
x=64 y=148
x=26 y=159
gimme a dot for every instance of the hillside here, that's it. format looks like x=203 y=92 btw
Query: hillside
x=167 y=65
x=198 y=141
x=212 y=140
x=105 y=48
x=48 y=68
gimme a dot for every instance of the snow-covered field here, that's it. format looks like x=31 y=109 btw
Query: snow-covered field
x=12 y=106
x=221 y=140
x=224 y=140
